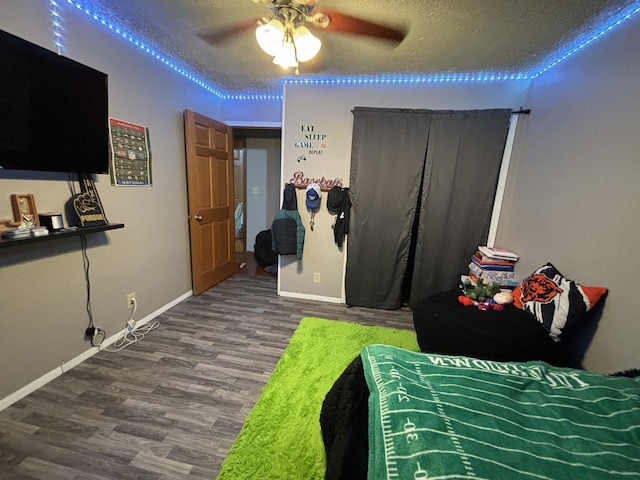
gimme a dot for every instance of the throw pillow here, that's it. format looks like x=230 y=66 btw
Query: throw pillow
x=558 y=303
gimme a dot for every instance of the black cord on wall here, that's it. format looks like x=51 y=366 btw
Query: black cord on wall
x=95 y=335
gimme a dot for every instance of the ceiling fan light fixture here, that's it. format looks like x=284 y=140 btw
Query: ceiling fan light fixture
x=270 y=37
x=286 y=57
x=307 y=46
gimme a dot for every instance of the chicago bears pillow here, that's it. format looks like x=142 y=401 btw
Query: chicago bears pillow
x=559 y=304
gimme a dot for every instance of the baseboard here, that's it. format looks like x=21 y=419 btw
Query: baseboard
x=305 y=296
x=65 y=367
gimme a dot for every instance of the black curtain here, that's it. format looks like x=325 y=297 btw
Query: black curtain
x=387 y=158
x=430 y=173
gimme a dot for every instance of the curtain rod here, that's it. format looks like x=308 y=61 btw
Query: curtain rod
x=523 y=111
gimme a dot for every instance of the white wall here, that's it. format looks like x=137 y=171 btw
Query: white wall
x=253 y=113
x=42 y=286
x=573 y=197
x=263 y=174
x=328 y=109
x=256 y=192
x=263 y=166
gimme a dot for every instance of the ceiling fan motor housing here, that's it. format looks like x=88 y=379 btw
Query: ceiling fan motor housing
x=293 y=11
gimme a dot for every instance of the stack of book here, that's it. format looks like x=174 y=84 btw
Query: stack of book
x=491 y=264
x=16 y=233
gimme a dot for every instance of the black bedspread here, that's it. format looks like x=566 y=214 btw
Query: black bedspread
x=512 y=335
x=445 y=326
x=344 y=423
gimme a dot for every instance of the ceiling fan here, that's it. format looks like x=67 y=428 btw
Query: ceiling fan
x=286 y=35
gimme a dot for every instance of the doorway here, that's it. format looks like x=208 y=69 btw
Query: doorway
x=257 y=178
x=240 y=192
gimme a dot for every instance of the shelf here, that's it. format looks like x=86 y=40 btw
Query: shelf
x=57 y=234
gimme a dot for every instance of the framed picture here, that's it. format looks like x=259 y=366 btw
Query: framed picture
x=24 y=209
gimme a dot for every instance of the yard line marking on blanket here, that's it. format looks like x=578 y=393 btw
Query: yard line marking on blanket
x=406 y=386
x=449 y=426
x=389 y=447
x=391 y=387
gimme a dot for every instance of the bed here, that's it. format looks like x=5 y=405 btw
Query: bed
x=443 y=325
x=396 y=414
x=492 y=395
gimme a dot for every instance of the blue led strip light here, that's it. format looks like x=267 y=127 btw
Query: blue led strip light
x=611 y=24
x=549 y=63
x=146 y=48
x=56 y=25
x=410 y=79
x=253 y=96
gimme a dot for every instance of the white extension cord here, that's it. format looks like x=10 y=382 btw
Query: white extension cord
x=132 y=333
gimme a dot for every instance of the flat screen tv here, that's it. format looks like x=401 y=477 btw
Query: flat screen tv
x=53 y=111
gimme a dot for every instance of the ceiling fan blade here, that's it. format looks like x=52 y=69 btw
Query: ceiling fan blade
x=343 y=23
x=221 y=35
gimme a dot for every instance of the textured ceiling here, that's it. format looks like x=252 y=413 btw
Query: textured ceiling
x=445 y=37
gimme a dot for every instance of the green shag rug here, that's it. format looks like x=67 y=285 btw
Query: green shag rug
x=281 y=438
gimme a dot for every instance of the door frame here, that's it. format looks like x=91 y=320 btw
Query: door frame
x=244 y=131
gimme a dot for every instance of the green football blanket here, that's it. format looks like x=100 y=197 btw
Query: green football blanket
x=445 y=417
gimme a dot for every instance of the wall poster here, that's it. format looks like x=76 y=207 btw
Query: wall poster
x=130 y=154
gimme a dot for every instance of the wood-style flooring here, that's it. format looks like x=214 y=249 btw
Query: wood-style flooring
x=246 y=264
x=171 y=405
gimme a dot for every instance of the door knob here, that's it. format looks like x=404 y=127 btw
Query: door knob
x=198 y=218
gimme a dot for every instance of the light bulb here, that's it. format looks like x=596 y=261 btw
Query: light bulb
x=270 y=36
x=307 y=46
x=286 y=57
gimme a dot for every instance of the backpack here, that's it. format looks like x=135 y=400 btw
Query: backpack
x=265 y=256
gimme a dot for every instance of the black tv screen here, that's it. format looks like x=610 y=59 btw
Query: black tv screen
x=53 y=111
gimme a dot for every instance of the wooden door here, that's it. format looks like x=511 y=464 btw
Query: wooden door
x=209 y=152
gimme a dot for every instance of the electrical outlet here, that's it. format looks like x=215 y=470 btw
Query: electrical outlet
x=92 y=332
x=131 y=300
x=316 y=277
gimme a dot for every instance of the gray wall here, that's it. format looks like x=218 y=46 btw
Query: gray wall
x=42 y=287
x=573 y=197
x=572 y=194
x=328 y=110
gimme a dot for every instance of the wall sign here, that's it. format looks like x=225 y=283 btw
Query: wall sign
x=310 y=142
x=300 y=181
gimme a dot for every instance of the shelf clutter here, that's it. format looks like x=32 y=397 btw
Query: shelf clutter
x=492 y=264
x=8 y=242
x=19 y=232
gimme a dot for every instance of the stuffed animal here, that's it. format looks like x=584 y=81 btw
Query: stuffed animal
x=503 y=298
x=479 y=292
x=467 y=302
